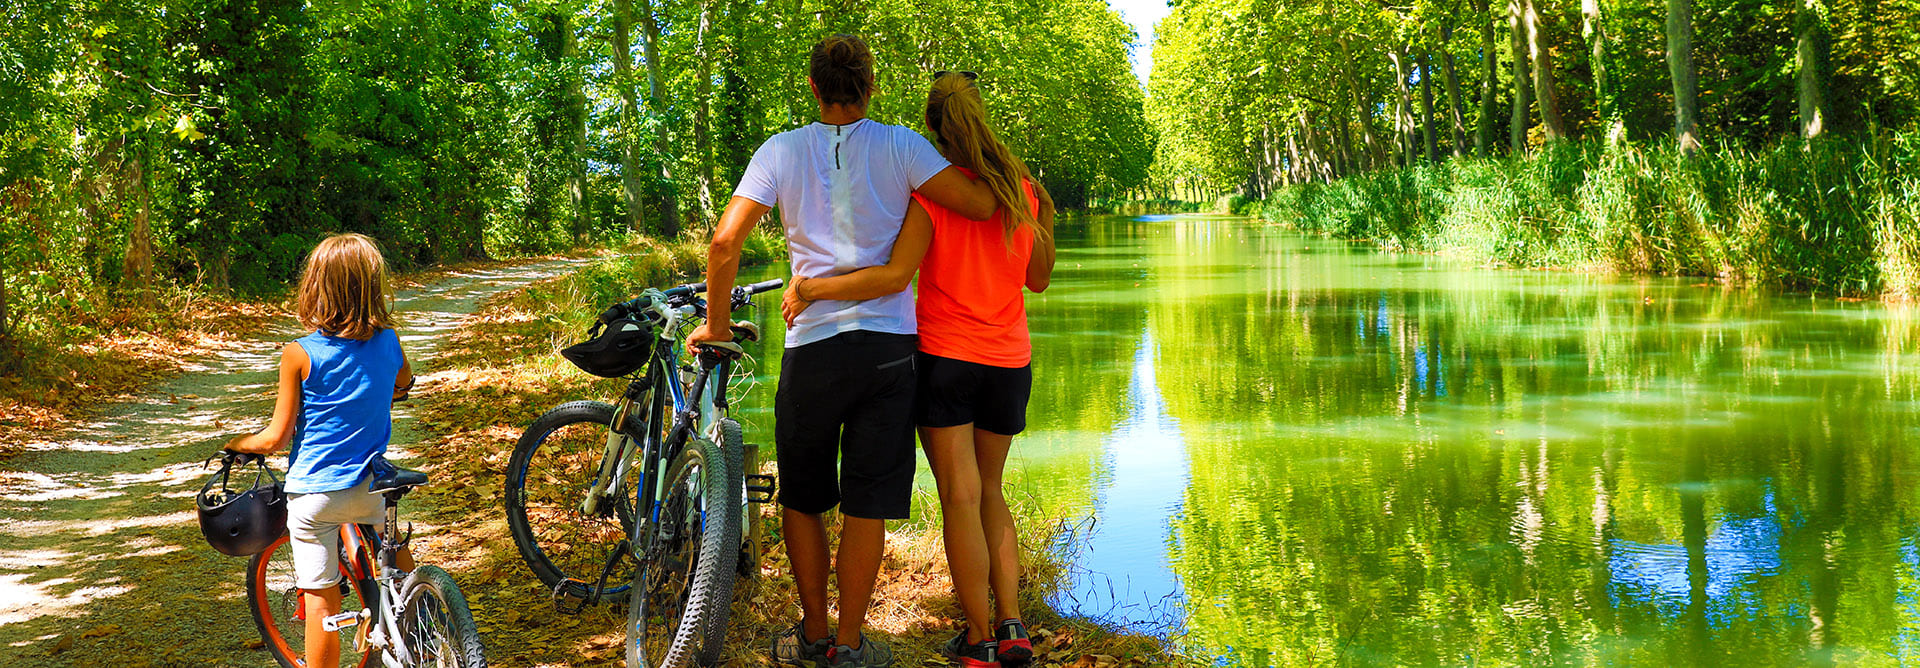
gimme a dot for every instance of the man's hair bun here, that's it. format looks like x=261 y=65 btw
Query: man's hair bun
x=842 y=68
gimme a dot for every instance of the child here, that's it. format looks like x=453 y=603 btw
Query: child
x=337 y=388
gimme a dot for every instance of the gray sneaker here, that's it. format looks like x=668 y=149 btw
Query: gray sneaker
x=872 y=654
x=791 y=648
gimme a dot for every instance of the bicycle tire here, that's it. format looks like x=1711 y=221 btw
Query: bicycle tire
x=566 y=555
x=274 y=600
x=709 y=585
x=449 y=639
x=734 y=448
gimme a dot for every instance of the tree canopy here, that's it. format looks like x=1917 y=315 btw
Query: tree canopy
x=211 y=142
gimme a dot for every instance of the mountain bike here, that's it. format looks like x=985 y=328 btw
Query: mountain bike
x=651 y=500
x=402 y=619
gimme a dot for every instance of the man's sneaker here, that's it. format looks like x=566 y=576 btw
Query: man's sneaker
x=791 y=648
x=872 y=654
x=982 y=655
x=1015 y=649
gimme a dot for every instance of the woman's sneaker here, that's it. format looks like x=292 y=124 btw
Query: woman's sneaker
x=1015 y=649
x=872 y=654
x=986 y=654
x=791 y=648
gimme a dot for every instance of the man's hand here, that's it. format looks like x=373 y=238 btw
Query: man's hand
x=791 y=303
x=713 y=330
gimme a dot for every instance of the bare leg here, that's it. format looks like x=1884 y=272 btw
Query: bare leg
x=862 y=542
x=806 y=537
x=1003 y=544
x=323 y=646
x=950 y=451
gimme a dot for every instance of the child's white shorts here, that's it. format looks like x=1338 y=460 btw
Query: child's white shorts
x=313 y=529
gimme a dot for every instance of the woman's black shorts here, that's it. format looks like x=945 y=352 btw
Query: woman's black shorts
x=954 y=392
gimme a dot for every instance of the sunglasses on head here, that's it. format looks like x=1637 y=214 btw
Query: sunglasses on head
x=971 y=76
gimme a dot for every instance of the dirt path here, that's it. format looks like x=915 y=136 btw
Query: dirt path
x=101 y=562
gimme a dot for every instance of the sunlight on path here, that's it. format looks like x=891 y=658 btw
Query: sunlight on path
x=97 y=530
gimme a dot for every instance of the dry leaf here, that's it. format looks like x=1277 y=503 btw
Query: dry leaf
x=98 y=631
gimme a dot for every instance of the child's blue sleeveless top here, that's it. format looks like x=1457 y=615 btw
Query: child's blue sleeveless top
x=346 y=410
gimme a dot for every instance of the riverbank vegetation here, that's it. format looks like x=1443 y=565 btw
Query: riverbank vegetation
x=1761 y=141
x=159 y=152
x=502 y=370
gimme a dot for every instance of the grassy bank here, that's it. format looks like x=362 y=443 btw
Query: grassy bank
x=501 y=371
x=1839 y=217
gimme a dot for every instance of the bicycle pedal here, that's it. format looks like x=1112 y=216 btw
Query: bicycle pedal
x=344 y=620
x=570 y=596
x=760 y=488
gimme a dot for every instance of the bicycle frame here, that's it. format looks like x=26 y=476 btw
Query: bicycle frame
x=381 y=581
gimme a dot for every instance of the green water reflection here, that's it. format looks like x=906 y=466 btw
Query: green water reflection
x=1304 y=452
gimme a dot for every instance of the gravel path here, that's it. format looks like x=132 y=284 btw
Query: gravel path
x=101 y=561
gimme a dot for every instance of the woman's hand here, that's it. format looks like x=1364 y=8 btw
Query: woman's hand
x=791 y=303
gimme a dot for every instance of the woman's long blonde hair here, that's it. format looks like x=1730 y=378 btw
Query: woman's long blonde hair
x=958 y=119
x=343 y=289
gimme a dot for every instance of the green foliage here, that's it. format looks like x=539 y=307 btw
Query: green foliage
x=1829 y=217
x=207 y=144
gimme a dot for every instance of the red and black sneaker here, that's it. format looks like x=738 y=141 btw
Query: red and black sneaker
x=969 y=655
x=1015 y=649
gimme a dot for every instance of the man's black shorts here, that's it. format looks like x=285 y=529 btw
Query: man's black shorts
x=847 y=400
x=955 y=392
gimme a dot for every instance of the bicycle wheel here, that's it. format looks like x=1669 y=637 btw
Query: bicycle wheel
x=733 y=447
x=552 y=468
x=436 y=622
x=275 y=603
x=686 y=575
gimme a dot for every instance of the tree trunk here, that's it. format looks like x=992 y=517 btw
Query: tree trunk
x=1293 y=157
x=629 y=112
x=1456 y=115
x=1522 y=83
x=1361 y=110
x=1809 y=58
x=1347 y=157
x=576 y=117
x=1605 y=97
x=1543 y=87
x=136 y=267
x=1428 y=131
x=650 y=49
x=1686 y=81
x=703 y=112
x=1489 y=82
x=1403 y=108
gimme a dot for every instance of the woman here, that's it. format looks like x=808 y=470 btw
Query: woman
x=974 y=356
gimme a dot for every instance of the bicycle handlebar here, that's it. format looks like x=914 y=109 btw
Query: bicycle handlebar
x=691 y=293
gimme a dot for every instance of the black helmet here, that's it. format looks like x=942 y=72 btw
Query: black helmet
x=620 y=344
x=242 y=523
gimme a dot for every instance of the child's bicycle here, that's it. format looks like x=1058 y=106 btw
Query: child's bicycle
x=650 y=500
x=404 y=619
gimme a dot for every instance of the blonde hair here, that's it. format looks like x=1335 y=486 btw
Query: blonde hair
x=958 y=119
x=343 y=288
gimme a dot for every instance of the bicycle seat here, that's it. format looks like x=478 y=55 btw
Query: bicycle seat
x=721 y=349
x=391 y=478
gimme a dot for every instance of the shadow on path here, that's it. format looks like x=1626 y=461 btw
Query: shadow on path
x=101 y=561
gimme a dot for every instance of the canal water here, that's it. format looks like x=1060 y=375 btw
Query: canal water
x=1290 y=450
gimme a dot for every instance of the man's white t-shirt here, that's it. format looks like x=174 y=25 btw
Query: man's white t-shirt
x=843 y=192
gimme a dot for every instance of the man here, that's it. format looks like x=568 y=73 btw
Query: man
x=846 y=382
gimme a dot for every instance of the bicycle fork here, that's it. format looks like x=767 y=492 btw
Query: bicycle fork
x=614 y=458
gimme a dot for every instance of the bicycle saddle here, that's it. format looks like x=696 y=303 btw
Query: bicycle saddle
x=721 y=349
x=392 y=478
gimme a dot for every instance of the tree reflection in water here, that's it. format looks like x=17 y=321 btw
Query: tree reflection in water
x=1380 y=459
